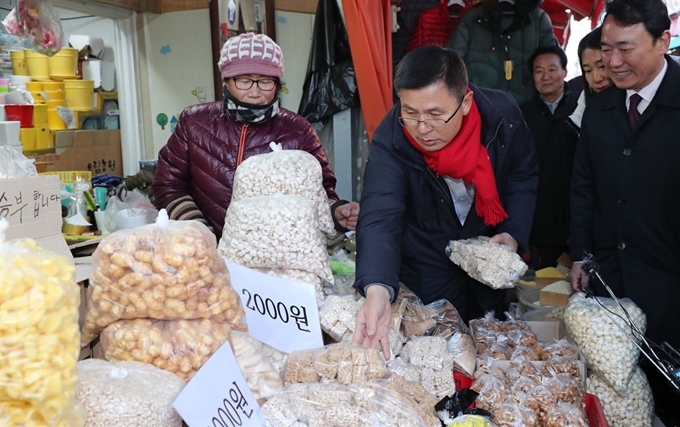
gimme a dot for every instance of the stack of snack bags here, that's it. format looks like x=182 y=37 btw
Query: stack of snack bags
x=39 y=336
x=542 y=384
x=161 y=294
x=277 y=218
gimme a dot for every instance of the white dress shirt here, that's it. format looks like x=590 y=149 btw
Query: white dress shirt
x=462 y=195
x=647 y=93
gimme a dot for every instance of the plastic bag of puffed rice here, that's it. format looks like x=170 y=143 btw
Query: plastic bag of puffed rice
x=127 y=394
x=492 y=264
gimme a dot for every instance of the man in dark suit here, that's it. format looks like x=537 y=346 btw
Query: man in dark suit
x=625 y=207
x=556 y=136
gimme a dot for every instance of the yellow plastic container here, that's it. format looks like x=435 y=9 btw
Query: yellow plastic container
x=40 y=115
x=69 y=177
x=54 y=121
x=19 y=62
x=38 y=98
x=34 y=86
x=27 y=137
x=64 y=62
x=37 y=65
x=52 y=104
x=53 y=86
x=42 y=137
x=79 y=94
x=55 y=95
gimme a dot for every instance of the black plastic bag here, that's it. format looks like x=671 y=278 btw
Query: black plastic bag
x=330 y=85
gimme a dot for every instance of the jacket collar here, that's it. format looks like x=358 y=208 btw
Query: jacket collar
x=491 y=123
x=566 y=98
x=668 y=94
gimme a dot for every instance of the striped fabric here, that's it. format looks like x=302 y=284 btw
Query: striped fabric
x=184 y=208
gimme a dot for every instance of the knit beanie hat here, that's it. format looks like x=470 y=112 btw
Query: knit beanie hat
x=251 y=53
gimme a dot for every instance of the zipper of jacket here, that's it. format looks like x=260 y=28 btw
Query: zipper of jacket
x=241 y=145
x=498 y=128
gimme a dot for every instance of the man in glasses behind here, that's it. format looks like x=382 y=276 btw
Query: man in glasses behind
x=196 y=168
x=449 y=161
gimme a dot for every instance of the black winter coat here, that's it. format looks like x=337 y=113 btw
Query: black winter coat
x=625 y=207
x=556 y=138
x=407 y=214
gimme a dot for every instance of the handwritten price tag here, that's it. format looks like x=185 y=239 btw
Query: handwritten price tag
x=279 y=312
x=218 y=395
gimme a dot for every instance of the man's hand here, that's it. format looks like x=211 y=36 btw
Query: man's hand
x=373 y=320
x=347 y=215
x=577 y=277
x=505 y=239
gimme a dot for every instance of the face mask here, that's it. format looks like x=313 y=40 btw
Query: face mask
x=249 y=113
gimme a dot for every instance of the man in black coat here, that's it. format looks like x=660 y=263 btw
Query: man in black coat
x=625 y=205
x=449 y=161
x=547 y=116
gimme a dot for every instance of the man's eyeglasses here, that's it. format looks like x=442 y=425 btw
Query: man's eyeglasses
x=243 y=83
x=429 y=123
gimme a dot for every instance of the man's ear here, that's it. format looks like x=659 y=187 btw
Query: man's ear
x=467 y=102
x=664 y=41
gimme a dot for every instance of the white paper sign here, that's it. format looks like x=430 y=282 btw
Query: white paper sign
x=279 y=312
x=218 y=395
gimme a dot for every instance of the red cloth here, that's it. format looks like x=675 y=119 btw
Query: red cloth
x=466 y=158
x=435 y=25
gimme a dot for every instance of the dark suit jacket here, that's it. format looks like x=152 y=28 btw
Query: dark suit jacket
x=556 y=138
x=407 y=214
x=625 y=205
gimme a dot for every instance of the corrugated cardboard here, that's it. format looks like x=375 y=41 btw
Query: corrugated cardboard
x=98 y=151
x=33 y=208
x=300 y=6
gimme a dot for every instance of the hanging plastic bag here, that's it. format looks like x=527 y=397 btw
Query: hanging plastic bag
x=39 y=301
x=13 y=164
x=330 y=85
x=39 y=20
x=166 y=271
x=128 y=210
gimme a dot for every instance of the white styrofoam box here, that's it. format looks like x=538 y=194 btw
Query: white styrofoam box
x=101 y=72
x=94 y=44
x=3 y=115
x=9 y=133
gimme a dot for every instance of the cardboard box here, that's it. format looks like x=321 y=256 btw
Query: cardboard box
x=33 y=208
x=299 y=6
x=98 y=151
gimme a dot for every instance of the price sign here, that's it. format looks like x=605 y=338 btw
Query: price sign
x=279 y=312
x=218 y=395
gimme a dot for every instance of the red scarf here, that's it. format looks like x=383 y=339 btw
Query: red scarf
x=466 y=158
